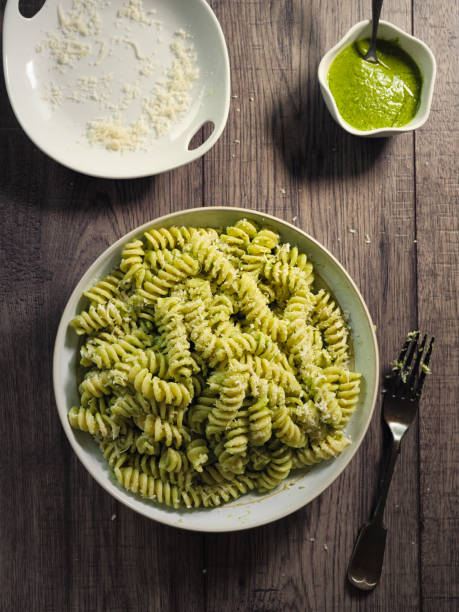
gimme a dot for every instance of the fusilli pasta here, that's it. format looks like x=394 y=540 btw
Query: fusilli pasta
x=211 y=366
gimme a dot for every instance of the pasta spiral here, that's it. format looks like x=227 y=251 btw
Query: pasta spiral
x=260 y=422
x=291 y=256
x=212 y=260
x=151 y=466
x=95 y=422
x=173 y=461
x=256 y=309
x=286 y=430
x=227 y=405
x=105 y=290
x=160 y=430
x=147 y=445
x=169 y=238
x=137 y=481
x=277 y=470
x=97 y=317
x=132 y=259
x=158 y=389
x=160 y=284
x=327 y=317
x=237 y=238
x=198 y=413
x=197 y=453
x=170 y=323
x=331 y=446
x=236 y=437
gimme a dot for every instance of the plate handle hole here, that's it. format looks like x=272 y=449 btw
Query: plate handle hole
x=201 y=135
x=30 y=9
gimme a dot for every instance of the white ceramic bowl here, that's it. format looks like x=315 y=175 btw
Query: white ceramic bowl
x=418 y=50
x=254 y=509
x=60 y=131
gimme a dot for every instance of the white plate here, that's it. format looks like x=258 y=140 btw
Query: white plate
x=253 y=509
x=61 y=132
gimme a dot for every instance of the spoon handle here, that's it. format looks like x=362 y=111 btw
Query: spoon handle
x=376 y=6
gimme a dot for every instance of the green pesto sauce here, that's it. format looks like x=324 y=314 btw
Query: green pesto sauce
x=371 y=96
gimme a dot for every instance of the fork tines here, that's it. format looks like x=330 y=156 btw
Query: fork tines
x=409 y=371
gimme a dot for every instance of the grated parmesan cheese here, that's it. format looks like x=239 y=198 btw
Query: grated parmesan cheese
x=55 y=94
x=83 y=18
x=171 y=99
x=102 y=52
x=139 y=55
x=133 y=10
x=96 y=88
x=78 y=32
x=148 y=67
x=66 y=51
x=115 y=136
x=131 y=92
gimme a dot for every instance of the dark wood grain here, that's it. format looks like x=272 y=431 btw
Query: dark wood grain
x=65 y=544
x=437 y=198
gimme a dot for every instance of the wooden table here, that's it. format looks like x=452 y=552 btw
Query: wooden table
x=65 y=544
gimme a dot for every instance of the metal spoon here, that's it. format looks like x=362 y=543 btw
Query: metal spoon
x=371 y=56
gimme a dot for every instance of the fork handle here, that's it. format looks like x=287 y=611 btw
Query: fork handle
x=378 y=512
x=367 y=558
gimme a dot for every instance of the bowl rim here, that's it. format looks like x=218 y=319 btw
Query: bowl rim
x=59 y=393
x=416 y=122
x=11 y=13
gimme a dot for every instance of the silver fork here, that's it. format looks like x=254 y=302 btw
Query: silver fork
x=401 y=400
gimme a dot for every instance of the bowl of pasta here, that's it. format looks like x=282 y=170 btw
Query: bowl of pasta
x=215 y=369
